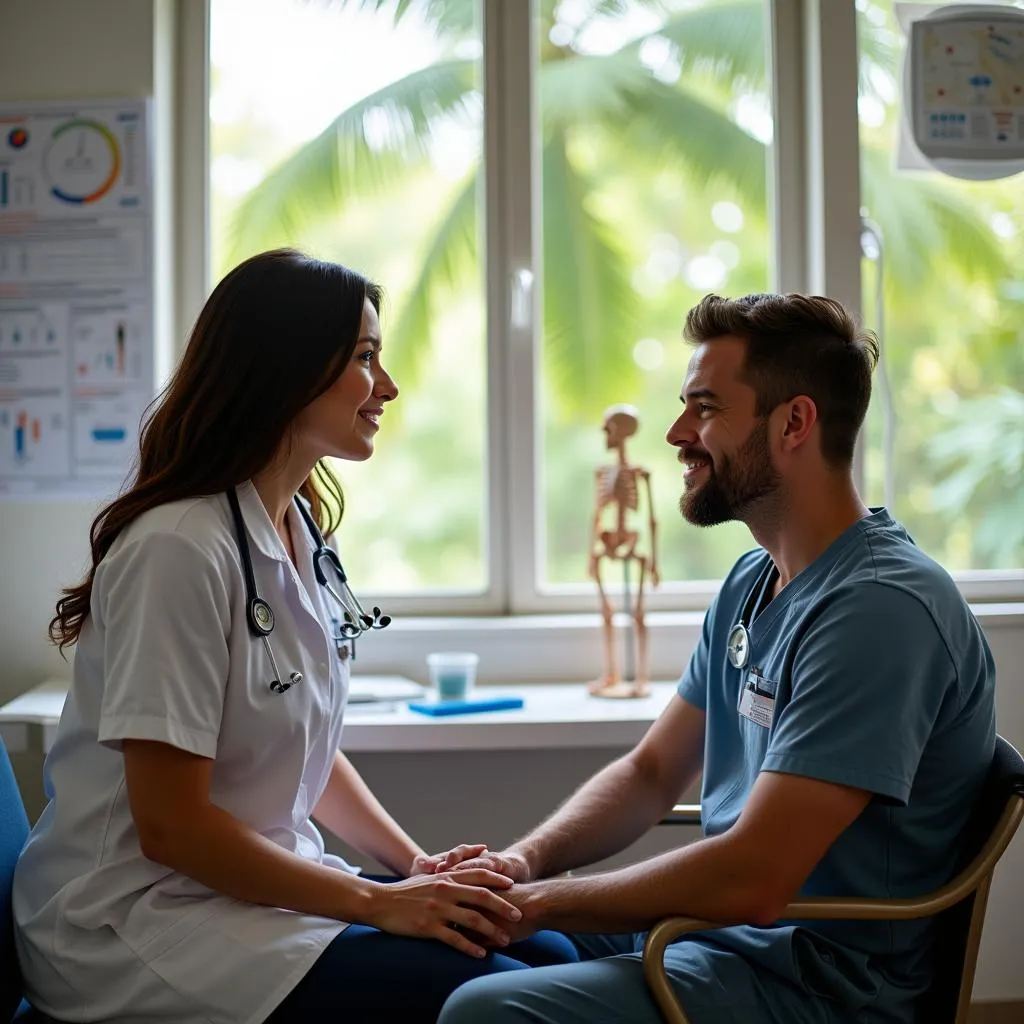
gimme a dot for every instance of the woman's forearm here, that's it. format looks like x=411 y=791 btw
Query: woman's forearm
x=225 y=854
x=350 y=810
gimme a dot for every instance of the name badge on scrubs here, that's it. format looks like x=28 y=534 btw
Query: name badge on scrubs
x=756 y=702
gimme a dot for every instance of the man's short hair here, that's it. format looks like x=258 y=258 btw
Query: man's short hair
x=798 y=345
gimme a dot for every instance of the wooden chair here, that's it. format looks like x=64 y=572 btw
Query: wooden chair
x=959 y=906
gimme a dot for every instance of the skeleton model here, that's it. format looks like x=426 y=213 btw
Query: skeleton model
x=618 y=488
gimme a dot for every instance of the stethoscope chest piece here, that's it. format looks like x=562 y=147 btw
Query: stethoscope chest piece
x=261 y=616
x=738 y=647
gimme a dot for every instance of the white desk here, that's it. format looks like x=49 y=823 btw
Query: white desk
x=555 y=716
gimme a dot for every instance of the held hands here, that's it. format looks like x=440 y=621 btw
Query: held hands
x=455 y=910
x=474 y=857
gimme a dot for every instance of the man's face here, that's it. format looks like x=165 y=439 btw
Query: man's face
x=722 y=443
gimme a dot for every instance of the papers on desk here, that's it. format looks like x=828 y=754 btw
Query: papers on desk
x=374 y=692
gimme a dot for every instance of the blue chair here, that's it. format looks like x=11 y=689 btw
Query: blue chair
x=13 y=833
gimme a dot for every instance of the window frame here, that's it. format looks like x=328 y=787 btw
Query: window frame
x=814 y=212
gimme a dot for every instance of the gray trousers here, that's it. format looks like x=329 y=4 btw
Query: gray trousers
x=715 y=986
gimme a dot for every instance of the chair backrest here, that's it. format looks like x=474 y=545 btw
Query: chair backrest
x=13 y=833
x=996 y=815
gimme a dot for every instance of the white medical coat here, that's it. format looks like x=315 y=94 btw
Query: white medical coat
x=104 y=933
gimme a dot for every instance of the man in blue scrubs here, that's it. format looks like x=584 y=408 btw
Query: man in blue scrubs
x=839 y=704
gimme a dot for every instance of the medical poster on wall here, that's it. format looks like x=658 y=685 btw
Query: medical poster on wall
x=76 y=295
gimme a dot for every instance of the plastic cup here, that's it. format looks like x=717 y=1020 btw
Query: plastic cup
x=452 y=673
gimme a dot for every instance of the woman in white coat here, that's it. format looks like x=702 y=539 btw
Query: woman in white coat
x=176 y=873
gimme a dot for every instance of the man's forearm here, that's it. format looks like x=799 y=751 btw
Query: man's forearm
x=616 y=807
x=717 y=879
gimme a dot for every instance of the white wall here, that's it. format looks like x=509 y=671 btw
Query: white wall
x=65 y=49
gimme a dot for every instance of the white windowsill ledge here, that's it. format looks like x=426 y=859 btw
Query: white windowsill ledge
x=518 y=655
x=554 y=716
x=544 y=648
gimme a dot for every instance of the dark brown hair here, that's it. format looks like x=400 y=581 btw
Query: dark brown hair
x=798 y=345
x=276 y=332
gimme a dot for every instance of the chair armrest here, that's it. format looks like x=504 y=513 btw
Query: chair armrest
x=682 y=814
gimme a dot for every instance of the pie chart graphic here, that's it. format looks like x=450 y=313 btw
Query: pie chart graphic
x=82 y=161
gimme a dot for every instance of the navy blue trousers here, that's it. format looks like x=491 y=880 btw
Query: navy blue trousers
x=366 y=975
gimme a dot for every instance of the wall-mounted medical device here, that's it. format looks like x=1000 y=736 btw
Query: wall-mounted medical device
x=963 y=84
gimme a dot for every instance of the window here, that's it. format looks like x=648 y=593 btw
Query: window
x=544 y=189
x=945 y=440
x=363 y=140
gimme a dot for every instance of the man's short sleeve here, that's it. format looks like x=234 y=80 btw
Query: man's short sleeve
x=165 y=617
x=693 y=687
x=869 y=680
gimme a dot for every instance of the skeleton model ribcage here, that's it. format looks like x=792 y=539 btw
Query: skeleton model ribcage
x=617 y=485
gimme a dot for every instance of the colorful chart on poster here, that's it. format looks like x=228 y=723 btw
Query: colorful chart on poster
x=82 y=161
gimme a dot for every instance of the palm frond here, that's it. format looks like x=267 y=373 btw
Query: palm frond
x=977 y=461
x=671 y=125
x=451 y=18
x=880 y=46
x=726 y=40
x=589 y=306
x=583 y=89
x=617 y=8
x=447 y=261
x=370 y=147
x=925 y=219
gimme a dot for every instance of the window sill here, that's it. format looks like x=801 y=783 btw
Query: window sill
x=518 y=655
x=555 y=716
x=546 y=648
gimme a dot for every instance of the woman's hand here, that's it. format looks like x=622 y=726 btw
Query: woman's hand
x=446 y=908
x=431 y=864
x=473 y=858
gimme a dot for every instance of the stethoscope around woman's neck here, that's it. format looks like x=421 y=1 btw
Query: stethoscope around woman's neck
x=260 y=616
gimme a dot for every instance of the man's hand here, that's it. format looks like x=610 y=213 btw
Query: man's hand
x=474 y=857
x=529 y=899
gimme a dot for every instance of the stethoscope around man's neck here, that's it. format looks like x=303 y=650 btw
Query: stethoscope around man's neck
x=737 y=649
x=258 y=613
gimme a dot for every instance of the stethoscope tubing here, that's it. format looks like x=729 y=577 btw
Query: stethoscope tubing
x=737 y=650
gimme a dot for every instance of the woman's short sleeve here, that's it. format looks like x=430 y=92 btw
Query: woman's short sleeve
x=161 y=605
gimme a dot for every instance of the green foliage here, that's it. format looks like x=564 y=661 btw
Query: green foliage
x=924 y=217
x=724 y=40
x=665 y=123
x=350 y=160
x=588 y=302
x=981 y=464
x=445 y=266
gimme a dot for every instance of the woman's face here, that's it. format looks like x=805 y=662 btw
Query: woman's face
x=343 y=420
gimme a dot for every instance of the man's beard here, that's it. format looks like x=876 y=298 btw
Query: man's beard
x=734 y=485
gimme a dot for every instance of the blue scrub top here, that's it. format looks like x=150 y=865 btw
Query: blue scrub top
x=882 y=679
